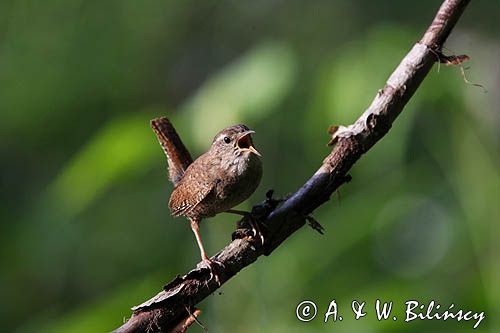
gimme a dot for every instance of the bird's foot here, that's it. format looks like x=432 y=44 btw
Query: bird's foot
x=259 y=213
x=214 y=266
x=256 y=229
x=250 y=219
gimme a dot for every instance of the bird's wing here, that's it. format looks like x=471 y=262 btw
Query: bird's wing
x=191 y=191
x=178 y=156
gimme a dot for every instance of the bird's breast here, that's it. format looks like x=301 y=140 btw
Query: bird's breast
x=239 y=180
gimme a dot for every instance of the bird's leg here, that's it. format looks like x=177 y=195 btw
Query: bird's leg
x=195 y=226
x=238 y=212
x=253 y=223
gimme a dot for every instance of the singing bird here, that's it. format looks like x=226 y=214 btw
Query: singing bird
x=226 y=175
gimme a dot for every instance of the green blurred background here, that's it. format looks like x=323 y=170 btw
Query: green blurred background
x=86 y=232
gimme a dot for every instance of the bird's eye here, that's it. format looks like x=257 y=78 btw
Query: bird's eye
x=227 y=139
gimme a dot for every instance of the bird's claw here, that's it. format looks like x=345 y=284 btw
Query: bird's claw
x=256 y=229
x=212 y=266
x=250 y=219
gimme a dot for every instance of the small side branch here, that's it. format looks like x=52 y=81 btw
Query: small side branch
x=175 y=304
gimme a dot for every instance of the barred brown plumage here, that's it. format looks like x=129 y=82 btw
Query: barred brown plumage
x=227 y=174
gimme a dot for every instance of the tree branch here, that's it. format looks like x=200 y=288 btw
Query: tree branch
x=176 y=302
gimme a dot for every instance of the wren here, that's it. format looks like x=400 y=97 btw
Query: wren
x=226 y=175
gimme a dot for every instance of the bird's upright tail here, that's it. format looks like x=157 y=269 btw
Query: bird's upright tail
x=178 y=156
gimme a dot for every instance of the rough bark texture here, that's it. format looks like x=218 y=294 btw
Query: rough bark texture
x=173 y=305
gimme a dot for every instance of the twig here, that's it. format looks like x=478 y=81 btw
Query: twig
x=168 y=307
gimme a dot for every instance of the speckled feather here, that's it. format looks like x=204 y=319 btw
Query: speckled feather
x=218 y=180
x=193 y=187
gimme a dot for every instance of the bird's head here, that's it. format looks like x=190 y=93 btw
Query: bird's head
x=236 y=140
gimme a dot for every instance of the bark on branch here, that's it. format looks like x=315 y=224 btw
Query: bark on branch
x=172 y=307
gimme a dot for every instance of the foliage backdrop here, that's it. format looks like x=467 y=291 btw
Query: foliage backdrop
x=85 y=230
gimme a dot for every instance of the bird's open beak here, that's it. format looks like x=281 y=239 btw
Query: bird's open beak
x=245 y=142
